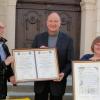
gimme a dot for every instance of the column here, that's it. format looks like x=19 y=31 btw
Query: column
x=98 y=18
x=88 y=25
x=11 y=14
x=3 y=8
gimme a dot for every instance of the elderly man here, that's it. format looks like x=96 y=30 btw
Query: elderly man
x=53 y=38
x=6 y=72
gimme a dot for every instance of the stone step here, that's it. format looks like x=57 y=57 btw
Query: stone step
x=66 y=96
x=26 y=89
x=30 y=89
x=21 y=92
x=32 y=97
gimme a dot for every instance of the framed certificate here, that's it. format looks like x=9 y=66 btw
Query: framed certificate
x=35 y=64
x=86 y=80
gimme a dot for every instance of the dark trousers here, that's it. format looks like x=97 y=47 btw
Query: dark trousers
x=2 y=97
x=44 y=96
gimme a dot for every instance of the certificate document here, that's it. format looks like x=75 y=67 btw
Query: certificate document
x=35 y=64
x=86 y=80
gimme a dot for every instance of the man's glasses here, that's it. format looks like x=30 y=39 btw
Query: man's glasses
x=1 y=27
x=97 y=44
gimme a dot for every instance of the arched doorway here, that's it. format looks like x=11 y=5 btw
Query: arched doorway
x=31 y=17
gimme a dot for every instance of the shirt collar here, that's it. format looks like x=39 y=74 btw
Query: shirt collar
x=3 y=40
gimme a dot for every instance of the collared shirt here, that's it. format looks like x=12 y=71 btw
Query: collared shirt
x=2 y=53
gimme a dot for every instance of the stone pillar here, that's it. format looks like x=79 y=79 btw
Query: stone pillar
x=7 y=16
x=11 y=13
x=88 y=24
x=98 y=18
x=3 y=8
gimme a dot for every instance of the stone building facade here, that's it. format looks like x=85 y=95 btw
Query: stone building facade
x=90 y=22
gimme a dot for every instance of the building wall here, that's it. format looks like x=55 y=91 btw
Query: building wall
x=7 y=16
x=88 y=25
x=98 y=18
x=3 y=8
x=90 y=22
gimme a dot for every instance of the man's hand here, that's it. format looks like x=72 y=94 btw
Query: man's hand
x=43 y=47
x=12 y=79
x=61 y=76
x=9 y=60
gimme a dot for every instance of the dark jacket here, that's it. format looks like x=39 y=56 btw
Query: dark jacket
x=65 y=49
x=5 y=71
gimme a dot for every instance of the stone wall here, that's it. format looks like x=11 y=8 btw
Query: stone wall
x=90 y=22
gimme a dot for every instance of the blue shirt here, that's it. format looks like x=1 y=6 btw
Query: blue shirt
x=86 y=57
x=2 y=53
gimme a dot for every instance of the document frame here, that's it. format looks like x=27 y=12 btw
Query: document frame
x=35 y=64
x=86 y=80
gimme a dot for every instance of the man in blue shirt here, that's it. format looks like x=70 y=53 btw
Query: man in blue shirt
x=6 y=72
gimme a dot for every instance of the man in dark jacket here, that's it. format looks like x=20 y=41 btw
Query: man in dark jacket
x=6 y=72
x=53 y=38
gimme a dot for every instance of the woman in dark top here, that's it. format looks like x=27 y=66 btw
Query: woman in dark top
x=6 y=72
x=95 y=48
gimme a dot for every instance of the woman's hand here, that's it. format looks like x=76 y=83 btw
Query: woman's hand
x=94 y=59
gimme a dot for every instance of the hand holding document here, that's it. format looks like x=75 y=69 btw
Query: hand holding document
x=9 y=60
x=61 y=76
x=35 y=64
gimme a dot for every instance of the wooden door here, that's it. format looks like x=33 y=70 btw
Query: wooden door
x=31 y=20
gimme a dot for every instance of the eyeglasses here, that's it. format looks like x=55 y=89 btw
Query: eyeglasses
x=97 y=44
x=1 y=27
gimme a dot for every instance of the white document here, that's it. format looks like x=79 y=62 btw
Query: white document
x=46 y=64
x=25 y=65
x=86 y=80
x=35 y=65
